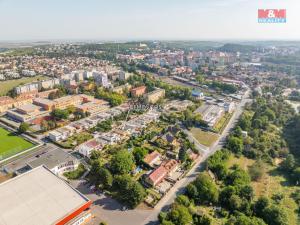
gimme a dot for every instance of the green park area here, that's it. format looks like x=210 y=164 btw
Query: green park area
x=6 y=86
x=12 y=144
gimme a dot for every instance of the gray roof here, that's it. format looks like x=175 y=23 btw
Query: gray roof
x=52 y=159
x=37 y=197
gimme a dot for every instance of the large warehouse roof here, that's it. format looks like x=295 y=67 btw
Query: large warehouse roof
x=37 y=197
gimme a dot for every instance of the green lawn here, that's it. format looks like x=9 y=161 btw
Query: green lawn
x=11 y=144
x=204 y=137
x=6 y=86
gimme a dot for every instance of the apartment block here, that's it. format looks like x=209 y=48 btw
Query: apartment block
x=154 y=96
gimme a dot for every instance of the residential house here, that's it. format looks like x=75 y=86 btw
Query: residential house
x=89 y=146
x=153 y=158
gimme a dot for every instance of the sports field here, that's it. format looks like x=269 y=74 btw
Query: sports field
x=11 y=144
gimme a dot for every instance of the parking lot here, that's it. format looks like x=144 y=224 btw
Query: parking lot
x=109 y=210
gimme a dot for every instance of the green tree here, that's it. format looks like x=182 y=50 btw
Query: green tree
x=275 y=215
x=246 y=192
x=200 y=78
x=226 y=194
x=205 y=191
x=260 y=205
x=94 y=172
x=167 y=222
x=235 y=202
x=23 y=127
x=256 y=170
x=182 y=155
x=270 y=114
x=216 y=163
x=128 y=190
x=136 y=194
x=245 y=122
x=235 y=144
x=139 y=154
x=238 y=177
x=296 y=174
x=289 y=163
x=105 y=177
x=71 y=109
x=59 y=114
x=242 y=219
x=180 y=215
x=122 y=162
x=183 y=200
x=201 y=220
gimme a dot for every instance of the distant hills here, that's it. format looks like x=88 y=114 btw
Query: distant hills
x=237 y=48
x=3 y=49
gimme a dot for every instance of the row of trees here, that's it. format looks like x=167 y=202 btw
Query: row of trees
x=114 y=99
x=216 y=85
x=291 y=164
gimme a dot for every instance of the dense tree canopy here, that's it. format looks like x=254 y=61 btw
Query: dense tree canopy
x=122 y=162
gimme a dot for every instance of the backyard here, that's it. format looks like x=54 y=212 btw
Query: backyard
x=11 y=144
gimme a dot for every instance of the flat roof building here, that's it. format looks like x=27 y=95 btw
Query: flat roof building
x=57 y=160
x=6 y=103
x=210 y=113
x=154 y=96
x=38 y=197
x=47 y=104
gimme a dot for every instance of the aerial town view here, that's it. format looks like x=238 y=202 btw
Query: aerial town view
x=150 y=112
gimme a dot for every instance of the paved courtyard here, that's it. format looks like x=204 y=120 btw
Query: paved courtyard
x=109 y=210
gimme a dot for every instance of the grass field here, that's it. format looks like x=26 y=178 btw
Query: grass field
x=221 y=124
x=11 y=144
x=272 y=182
x=6 y=86
x=204 y=137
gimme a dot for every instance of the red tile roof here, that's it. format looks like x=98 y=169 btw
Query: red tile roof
x=170 y=165
x=158 y=175
x=150 y=157
x=92 y=143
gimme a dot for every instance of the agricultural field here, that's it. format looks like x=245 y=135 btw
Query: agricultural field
x=12 y=144
x=6 y=86
x=204 y=137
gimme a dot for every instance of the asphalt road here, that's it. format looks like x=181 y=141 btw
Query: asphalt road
x=110 y=211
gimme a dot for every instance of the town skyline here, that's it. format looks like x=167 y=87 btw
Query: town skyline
x=143 y=20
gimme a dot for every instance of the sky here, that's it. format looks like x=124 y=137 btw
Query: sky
x=144 y=20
